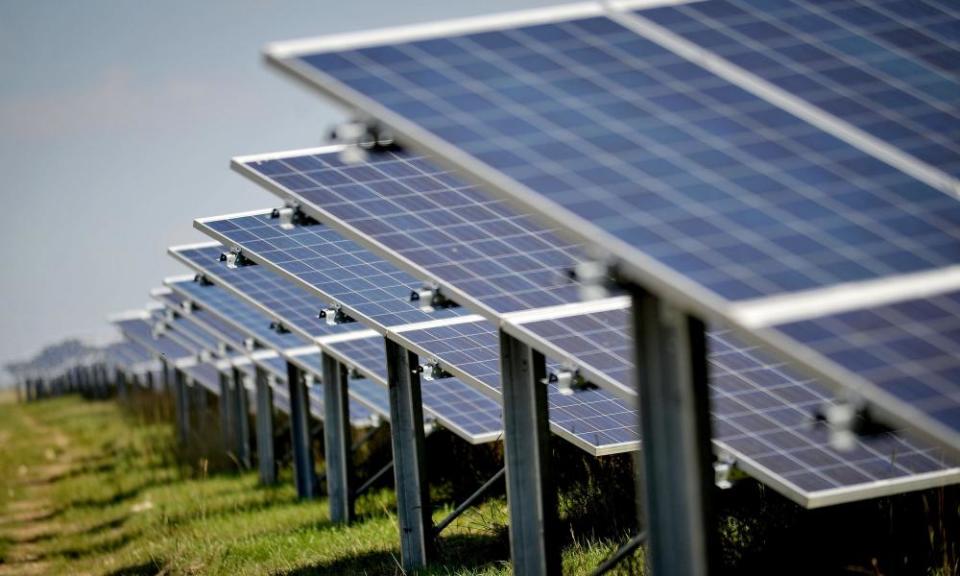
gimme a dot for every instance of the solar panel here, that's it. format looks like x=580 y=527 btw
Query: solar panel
x=234 y=310
x=710 y=181
x=705 y=192
x=452 y=232
x=344 y=272
x=910 y=349
x=216 y=327
x=594 y=420
x=467 y=410
x=889 y=68
x=764 y=413
x=275 y=296
x=140 y=331
x=191 y=330
x=455 y=405
x=373 y=398
x=206 y=375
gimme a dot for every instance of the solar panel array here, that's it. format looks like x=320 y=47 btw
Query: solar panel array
x=888 y=68
x=616 y=432
x=705 y=185
x=908 y=348
x=455 y=404
x=765 y=413
x=347 y=273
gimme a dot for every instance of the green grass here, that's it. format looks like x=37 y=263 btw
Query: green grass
x=106 y=494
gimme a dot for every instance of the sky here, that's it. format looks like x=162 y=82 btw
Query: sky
x=117 y=123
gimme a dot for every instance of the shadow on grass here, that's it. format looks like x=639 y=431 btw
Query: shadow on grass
x=95 y=549
x=460 y=552
x=148 y=568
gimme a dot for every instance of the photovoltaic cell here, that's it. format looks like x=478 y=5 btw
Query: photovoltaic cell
x=186 y=329
x=593 y=419
x=765 y=414
x=909 y=349
x=890 y=68
x=203 y=319
x=373 y=396
x=455 y=232
x=455 y=404
x=340 y=269
x=140 y=331
x=284 y=299
x=670 y=160
x=240 y=313
x=206 y=375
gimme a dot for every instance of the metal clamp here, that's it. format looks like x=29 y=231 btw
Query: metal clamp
x=359 y=137
x=432 y=370
x=430 y=297
x=235 y=258
x=335 y=316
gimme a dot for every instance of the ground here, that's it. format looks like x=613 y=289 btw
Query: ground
x=87 y=488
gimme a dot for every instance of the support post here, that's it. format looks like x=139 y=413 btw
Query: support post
x=182 y=403
x=304 y=472
x=337 y=440
x=241 y=420
x=671 y=360
x=266 y=458
x=531 y=494
x=409 y=468
x=226 y=411
x=121 y=380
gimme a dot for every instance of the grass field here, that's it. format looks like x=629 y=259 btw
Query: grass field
x=90 y=488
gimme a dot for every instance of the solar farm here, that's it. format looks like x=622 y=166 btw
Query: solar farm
x=718 y=240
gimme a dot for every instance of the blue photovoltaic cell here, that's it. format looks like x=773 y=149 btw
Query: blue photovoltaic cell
x=677 y=163
x=285 y=299
x=204 y=320
x=890 y=68
x=206 y=375
x=459 y=406
x=453 y=403
x=594 y=417
x=762 y=410
x=242 y=314
x=359 y=414
x=141 y=331
x=456 y=232
x=374 y=397
x=276 y=365
x=340 y=269
x=367 y=354
x=190 y=330
x=130 y=353
x=910 y=349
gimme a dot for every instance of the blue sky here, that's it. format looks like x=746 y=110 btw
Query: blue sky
x=117 y=123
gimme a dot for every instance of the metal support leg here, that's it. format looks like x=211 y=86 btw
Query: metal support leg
x=304 y=473
x=373 y=479
x=531 y=494
x=266 y=459
x=674 y=413
x=622 y=552
x=241 y=420
x=182 y=402
x=226 y=411
x=337 y=438
x=466 y=504
x=406 y=431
